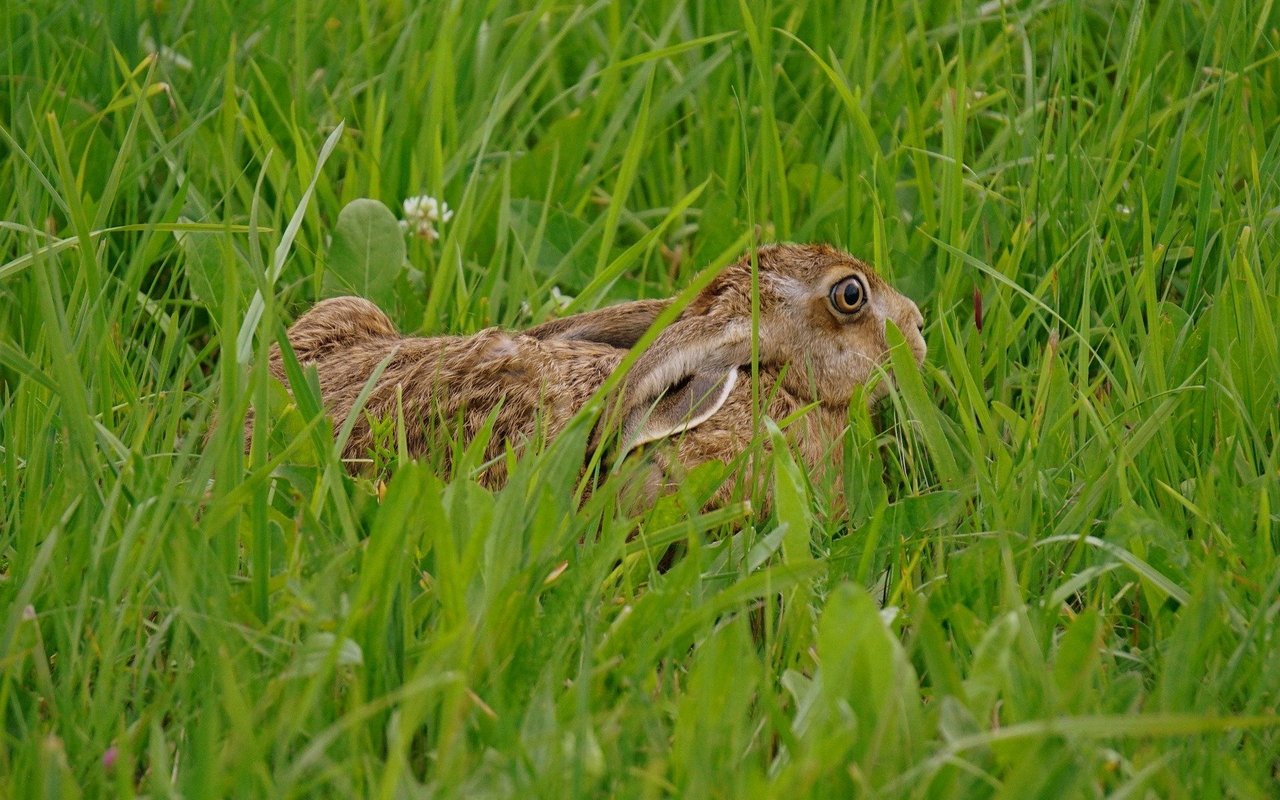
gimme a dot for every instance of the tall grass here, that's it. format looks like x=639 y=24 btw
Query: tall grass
x=1057 y=573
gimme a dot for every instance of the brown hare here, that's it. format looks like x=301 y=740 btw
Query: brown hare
x=821 y=335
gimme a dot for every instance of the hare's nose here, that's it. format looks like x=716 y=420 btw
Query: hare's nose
x=916 y=317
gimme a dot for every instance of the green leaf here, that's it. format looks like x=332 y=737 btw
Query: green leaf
x=865 y=667
x=990 y=670
x=1077 y=659
x=791 y=500
x=713 y=719
x=209 y=256
x=367 y=253
x=811 y=180
x=553 y=244
x=922 y=409
x=563 y=144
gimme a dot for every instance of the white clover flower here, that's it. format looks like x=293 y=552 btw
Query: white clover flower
x=561 y=300
x=422 y=214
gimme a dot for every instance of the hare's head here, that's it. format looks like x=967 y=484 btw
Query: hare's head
x=822 y=317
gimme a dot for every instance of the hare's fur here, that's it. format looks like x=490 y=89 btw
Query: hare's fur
x=534 y=382
x=441 y=380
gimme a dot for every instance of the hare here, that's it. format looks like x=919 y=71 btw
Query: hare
x=821 y=335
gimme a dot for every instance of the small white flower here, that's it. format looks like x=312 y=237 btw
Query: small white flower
x=562 y=301
x=423 y=213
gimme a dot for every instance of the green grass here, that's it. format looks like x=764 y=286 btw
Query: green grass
x=1071 y=516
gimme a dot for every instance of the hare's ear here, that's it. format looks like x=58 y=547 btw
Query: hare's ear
x=685 y=406
x=620 y=325
x=683 y=379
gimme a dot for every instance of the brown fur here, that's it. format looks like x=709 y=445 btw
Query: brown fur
x=618 y=326
x=443 y=379
x=825 y=357
x=539 y=379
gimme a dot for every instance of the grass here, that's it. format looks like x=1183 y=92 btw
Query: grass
x=1071 y=515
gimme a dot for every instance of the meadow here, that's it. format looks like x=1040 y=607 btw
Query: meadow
x=1056 y=574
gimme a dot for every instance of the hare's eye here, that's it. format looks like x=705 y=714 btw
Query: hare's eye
x=849 y=295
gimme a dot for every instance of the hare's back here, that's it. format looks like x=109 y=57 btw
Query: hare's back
x=439 y=382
